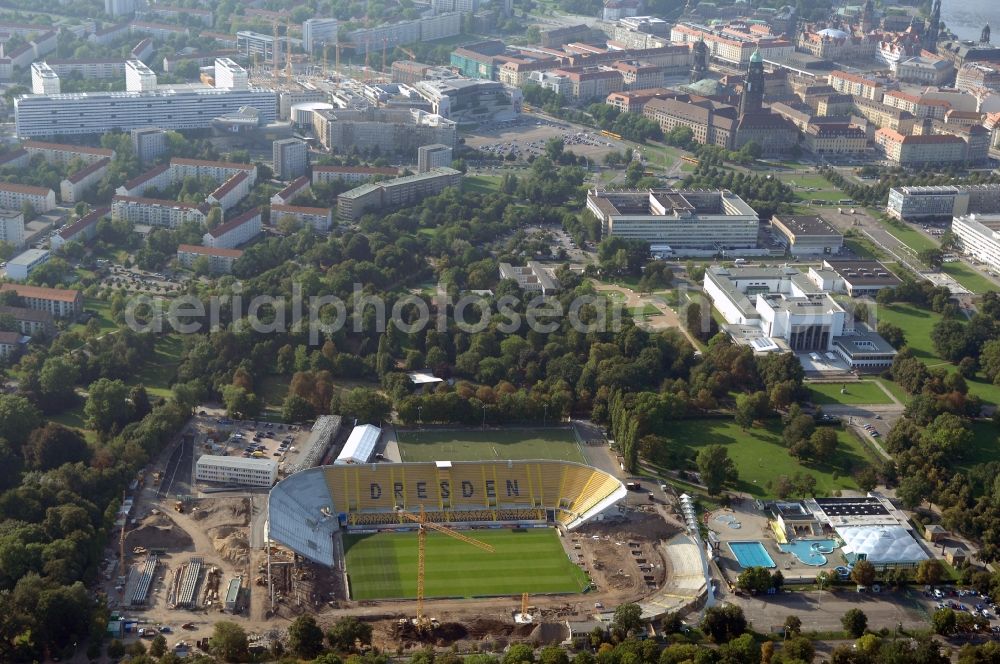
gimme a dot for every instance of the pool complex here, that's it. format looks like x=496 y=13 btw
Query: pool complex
x=810 y=552
x=751 y=554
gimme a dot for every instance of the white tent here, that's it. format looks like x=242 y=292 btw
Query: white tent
x=360 y=444
x=881 y=545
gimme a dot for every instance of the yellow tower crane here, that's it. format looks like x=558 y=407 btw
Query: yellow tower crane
x=288 y=49
x=421 y=547
x=274 y=52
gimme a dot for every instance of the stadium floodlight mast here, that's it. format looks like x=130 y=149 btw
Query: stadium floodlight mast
x=424 y=523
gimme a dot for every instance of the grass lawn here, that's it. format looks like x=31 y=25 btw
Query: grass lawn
x=643 y=311
x=864 y=392
x=102 y=312
x=968 y=277
x=912 y=238
x=73 y=419
x=863 y=247
x=159 y=370
x=760 y=456
x=985 y=445
x=385 y=565
x=916 y=324
x=272 y=391
x=481 y=184
x=896 y=390
x=479 y=445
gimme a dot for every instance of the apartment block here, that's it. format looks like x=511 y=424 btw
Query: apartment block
x=156 y=212
x=158 y=177
x=220 y=171
x=353 y=204
x=919 y=150
x=72 y=188
x=230 y=192
x=14 y=196
x=12 y=228
x=288 y=194
x=29 y=321
x=433 y=156
x=290 y=157
x=235 y=232
x=58 y=153
x=859 y=86
x=320 y=219
x=44 y=80
x=60 y=303
x=82 y=230
x=149 y=143
x=351 y=174
x=88 y=68
x=220 y=260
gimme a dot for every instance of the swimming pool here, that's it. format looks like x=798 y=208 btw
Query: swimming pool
x=810 y=552
x=751 y=554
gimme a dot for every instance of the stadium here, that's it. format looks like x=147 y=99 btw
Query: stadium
x=361 y=518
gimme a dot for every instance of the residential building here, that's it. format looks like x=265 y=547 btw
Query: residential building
x=389 y=130
x=156 y=212
x=859 y=86
x=29 y=321
x=220 y=171
x=433 y=156
x=942 y=202
x=318 y=32
x=590 y=82
x=290 y=157
x=554 y=37
x=21 y=266
x=920 y=150
x=320 y=219
x=884 y=116
x=82 y=230
x=13 y=197
x=351 y=174
x=149 y=143
x=12 y=228
x=978 y=236
x=142 y=51
x=353 y=204
x=10 y=344
x=231 y=192
x=44 y=80
x=920 y=106
x=975 y=76
x=805 y=235
x=174 y=12
x=220 y=261
x=161 y=31
x=88 y=68
x=173 y=107
x=108 y=35
x=58 y=153
x=139 y=77
x=120 y=7
x=60 y=303
x=201 y=58
x=235 y=232
x=72 y=187
x=288 y=194
x=428 y=28
x=239 y=471
x=532 y=278
x=158 y=177
x=685 y=220
x=16 y=158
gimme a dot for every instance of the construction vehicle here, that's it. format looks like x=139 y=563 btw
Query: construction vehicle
x=179 y=506
x=422 y=620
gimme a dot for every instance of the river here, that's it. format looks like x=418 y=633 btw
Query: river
x=966 y=18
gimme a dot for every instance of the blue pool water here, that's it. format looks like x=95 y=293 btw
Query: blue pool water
x=810 y=552
x=751 y=554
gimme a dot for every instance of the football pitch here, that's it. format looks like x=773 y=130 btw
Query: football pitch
x=485 y=445
x=384 y=565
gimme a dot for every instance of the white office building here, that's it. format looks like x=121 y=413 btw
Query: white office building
x=236 y=470
x=978 y=236
x=230 y=76
x=20 y=267
x=688 y=221
x=44 y=80
x=318 y=32
x=139 y=77
x=172 y=107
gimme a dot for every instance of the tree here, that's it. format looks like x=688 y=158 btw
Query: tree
x=229 y=641
x=855 y=621
x=863 y=573
x=932 y=256
x=53 y=445
x=754 y=579
x=716 y=468
x=913 y=490
x=240 y=403
x=823 y=443
x=296 y=409
x=17 y=418
x=793 y=626
x=107 y=405
x=798 y=649
x=305 y=638
x=892 y=333
x=519 y=653
x=55 y=382
x=628 y=619
x=724 y=623
x=158 y=647
x=929 y=572
x=348 y=633
x=551 y=655
x=944 y=622
x=367 y=405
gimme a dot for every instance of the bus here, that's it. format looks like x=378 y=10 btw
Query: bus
x=689 y=159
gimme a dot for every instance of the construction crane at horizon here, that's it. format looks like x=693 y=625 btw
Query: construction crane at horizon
x=422 y=544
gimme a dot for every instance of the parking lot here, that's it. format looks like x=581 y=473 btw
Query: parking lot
x=527 y=136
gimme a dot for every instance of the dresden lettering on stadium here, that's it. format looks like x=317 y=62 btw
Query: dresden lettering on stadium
x=444 y=490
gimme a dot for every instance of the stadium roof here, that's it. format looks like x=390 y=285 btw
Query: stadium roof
x=360 y=444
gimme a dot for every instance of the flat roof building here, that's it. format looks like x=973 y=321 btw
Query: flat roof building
x=805 y=235
x=860 y=278
x=942 y=202
x=683 y=219
x=236 y=470
x=978 y=235
x=533 y=278
x=20 y=267
x=353 y=204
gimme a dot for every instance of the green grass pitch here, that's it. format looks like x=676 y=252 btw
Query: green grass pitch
x=480 y=445
x=384 y=565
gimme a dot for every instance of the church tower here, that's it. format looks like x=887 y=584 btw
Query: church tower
x=933 y=28
x=984 y=38
x=752 y=100
x=699 y=66
x=868 y=16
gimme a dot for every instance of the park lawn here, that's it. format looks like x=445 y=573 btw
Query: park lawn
x=272 y=391
x=863 y=247
x=481 y=184
x=968 y=277
x=643 y=311
x=985 y=445
x=73 y=418
x=384 y=565
x=914 y=239
x=864 y=392
x=916 y=323
x=986 y=391
x=102 y=312
x=760 y=456
x=489 y=444
x=895 y=389
x=158 y=372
